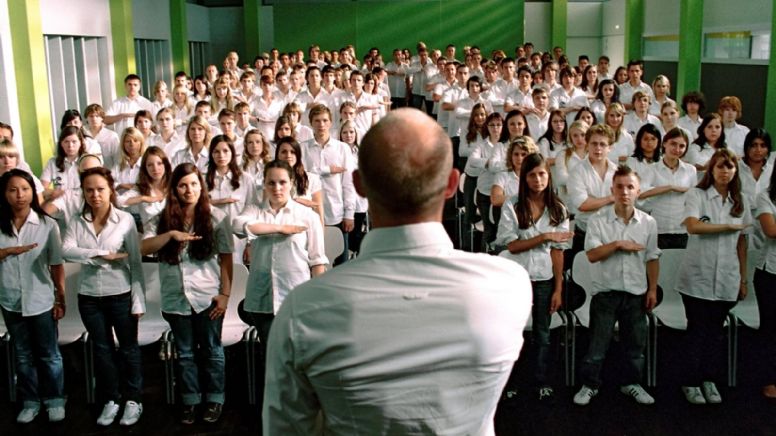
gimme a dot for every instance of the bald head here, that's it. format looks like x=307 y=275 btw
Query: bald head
x=405 y=164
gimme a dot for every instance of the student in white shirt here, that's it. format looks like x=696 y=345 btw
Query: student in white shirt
x=349 y=135
x=168 y=138
x=144 y=122
x=730 y=109
x=160 y=97
x=9 y=159
x=711 y=137
x=125 y=172
x=256 y=153
x=646 y=154
x=201 y=89
x=520 y=98
x=534 y=226
x=268 y=108
x=307 y=189
x=111 y=293
x=397 y=71
x=198 y=134
x=193 y=241
x=182 y=107
x=623 y=141
x=571 y=156
x=123 y=110
x=621 y=245
x=230 y=188
x=149 y=195
x=539 y=116
x=222 y=96
x=634 y=83
x=669 y=118
x=661 y=88
x=515 y=126
x=507 y=183
x=469 y=141
x=61 y=171
x=294 y=113
x=640 y=114
x=32 y=295
x=713 y=273
x=589 y=83
x=73 y=118
x=608 y=93
x=107 y=138
x=667 y=183
x=553 y=142
x=568 y=98
x=286 y=247
x=489 y=152
x=765 y=284
x=367 y=105
x=693 y=105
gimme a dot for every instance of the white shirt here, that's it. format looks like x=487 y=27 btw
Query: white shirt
x=520 y=98
x=627 y=90
x=170 y=147
x=453 y=95
x=561 y=171
x=222 y=188
x=192 y=284
x=338 y=192
x=126 y=175
x=428 y=348
x=537 y=126
x=147 y=211
x=623 y=270
x=66 y=179
x=185 y=155
x=734 y=138
x=599 y=109
x=643 y=168
x=485 y=162
x=655 y=106
x=443 y=116
x=125 y=105
x=279 y=263
x=767 y=255
x=710 y=270
x=109 y=144
x=396 y=81
x=465 y=148
x=690 y=125
x=463 y=111
x=632 y=123
x=99 y=277
x=508 y=181
x=699 y=156
x=313 y=185
x=364 y=117
x=306 y=100
x=622 y=147
x=584 y=182
x=561 y=99
x=668 y=208
x=267 y=115
x=25 y=281
x=536 y=261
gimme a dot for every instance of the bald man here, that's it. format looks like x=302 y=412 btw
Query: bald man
x=412 y=337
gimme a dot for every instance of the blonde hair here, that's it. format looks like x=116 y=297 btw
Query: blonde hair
x=576 y=125
x=133 y=133
x=186 y=101
x=214 y=104
x=8 y=148
x=201 y=122
x=616 y=108
x=525 y=143
x=158 y=86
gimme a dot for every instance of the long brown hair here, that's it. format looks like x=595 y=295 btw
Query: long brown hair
x=172 y=218
x=552 y=202
x=67 y=131
x=211 y=164
x=301 y=181
x=144 y=180
x=725 y=157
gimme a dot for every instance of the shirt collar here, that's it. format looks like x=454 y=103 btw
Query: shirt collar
x=406 y=237
x=612 y=217
x=712 y=193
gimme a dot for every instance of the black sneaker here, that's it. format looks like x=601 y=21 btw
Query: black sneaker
x=188 y=415
x=213 y=412
x=546 y=395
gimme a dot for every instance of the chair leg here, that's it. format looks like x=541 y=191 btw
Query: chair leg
x=732 y=350
x=571 y=349
x=89 y=376
x=169 y=369
x=11 y=366
x=651 y=350
x=250 y=365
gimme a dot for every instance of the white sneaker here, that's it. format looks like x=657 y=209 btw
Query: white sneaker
x=693 y=395
x=132 y=412
x=27 y=415
x=56 y=414
x=638 y=393
x=711 y=393
x=582 y=398
x=108 y=414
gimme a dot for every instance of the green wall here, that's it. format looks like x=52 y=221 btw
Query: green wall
x=491 y=24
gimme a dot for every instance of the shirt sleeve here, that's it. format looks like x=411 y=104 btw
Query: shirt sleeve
x=507 y=225
x=54 y=245
x=72 y=252
x=576 y=189
x=315 y=245
x=241 y=222
x=764 y=205
x=136 y=276
x=594 y=235
x=223 y=236
x=348 y=189
x=692 y=204
x=652 y=252
x=562 y=227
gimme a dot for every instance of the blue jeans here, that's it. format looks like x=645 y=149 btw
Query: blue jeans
x=606 y=308
x=199 y=331
x=540 y=316
x=102 y=316
x=39 y=371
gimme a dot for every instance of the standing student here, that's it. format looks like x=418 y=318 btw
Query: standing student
x=640 y=114
x=534 y=227
x=198 y=134
x=255 y=155
x=635 y=72
x=713 y=273
x=507 y=183
x=589 y=83
x=647 y=152
x=201 y=89
x=668 y=183
x=161 y=99
x=516 y=126
x=621 y=244
x=608 y=93
x=123 y=110
x=539 y=117
x=61 y=171
x=294 y=113
x=568 y=98
x=553 y=142
x=168 y=138
x=469 y=142
x=144 y=122
x=307 y=189
x=349 y=135
x=693 y=105
x=730 y=109
x=133 y=146
x=711 y=137
x=9 y=159
x=574 y=153
x=111 y=293
x=765 y=285
x=669 y=118
x=32 y=295
x=107 y=138
x=193 y=241
x=267 y=109
x=149 y=195
x=481 y=159
x=182 y=106
x=623 y=145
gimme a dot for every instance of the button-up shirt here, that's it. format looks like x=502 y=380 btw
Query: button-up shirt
x=192 y=284
x=668 y=208
x=623 y=270
x=66 y=179
x=338 y=192
x=100 y=277
x=25 y=281
x=279 y=263
x=536 y=261
x=584 y=182
x=767 y=255
x=410 y=335
x=710 y=269
x=222 y=189
x=185 y=155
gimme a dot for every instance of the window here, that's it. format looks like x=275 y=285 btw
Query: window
x=197 y=57
x=661 y=46
x=154 y=62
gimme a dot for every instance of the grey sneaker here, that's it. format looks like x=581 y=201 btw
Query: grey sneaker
x=693 y=395
x=582 y=398
x=711 y=393
x=27 y=415
x=108 y=415
x=132 y=412
x=638 y=393
x=56 y=414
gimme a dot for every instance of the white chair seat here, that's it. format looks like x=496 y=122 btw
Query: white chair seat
x=580 y=274
x=234 y=328
x=670 y=312
x=152 y=326
x=333 y=243
x=70 y=327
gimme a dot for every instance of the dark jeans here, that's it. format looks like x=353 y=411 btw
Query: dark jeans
x=192 y=332
x=606 y=308
x=430 y=109
x=417 y=101
x=342 y=258
x=456 y=140
x=262 y=322
x=102 y=316
x=540 y=318
x=489 y=228
x=39 y=372
x=397 y=102
x=577 y=245
x=469 y=189
x=703 y=339
x=765 y=290
x=354 y=237
x=671 y=240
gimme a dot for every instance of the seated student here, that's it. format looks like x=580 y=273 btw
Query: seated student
x=621 y=243
x=127 y=169
x=668 y=182
x=144 y=122
x=608 y=93
x=149 y=195
x=693 y=105
x=60 y=173
x=198 y=134
x=590 y=182
x=640 y=114
x=123 y=110
x=623 y=141
x=711 y=137
x=568 y=98
x=107 y=138
x=168 y=138
x=661 y=87
x=646 y=154
x=161 y=99
x=539 y=117
x=534 y=226
x=730 y=109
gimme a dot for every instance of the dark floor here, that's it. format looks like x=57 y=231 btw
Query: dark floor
x=743 y=412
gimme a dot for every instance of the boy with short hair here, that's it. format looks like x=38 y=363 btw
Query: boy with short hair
x=621 y=243
x=121 y=113
x=107 y=138
x=539 y=116
x=226 y=120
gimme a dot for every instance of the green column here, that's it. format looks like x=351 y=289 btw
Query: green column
x=634 y=28
x=32 y=86
x=123 y=41
x=688 y=73
x=559 y=22
x=770 y=96
x=520 y=21
x=252 y=16
x=179 y=29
